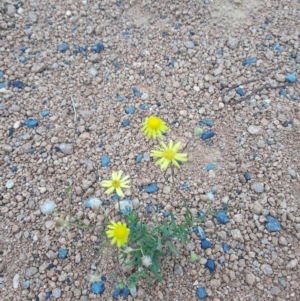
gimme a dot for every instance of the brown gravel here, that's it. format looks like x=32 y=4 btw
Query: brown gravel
x=168 y=50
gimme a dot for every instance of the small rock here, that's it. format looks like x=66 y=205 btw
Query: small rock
x=130 y=110
x=210 y=264
x=45 y=113
x=207 y=121
x=250 y=278
x=207 y=135
x=201 y=293
x=273 y=224
x=63 y=253
x=66 y=148
x=166 y=189
x=249 y=61
x=206 y=244
x=16 y=281
x=37 y=68
x=31 y=272
x=189 y=44
x=240 y=91
x=254 y=130
x=283 y=241
x=56 y=293
x=98 y=48
x=292 y=264
x=232 y=43
x=267 y=269
x=136 y=92
x=25 y=284
x=178 y=270
x=225 y=247
x=31 y=123
x=222 y=217
x=291 y=78
x=93 y=72
x=151 y=188
x=258 y=187
x=124 y=206
x=210 y=166
x=9 y=184
x=237 y=235
x=63 y=47
x=105 y=161
x=32 y=17
x=97 y=288
x=247 y=176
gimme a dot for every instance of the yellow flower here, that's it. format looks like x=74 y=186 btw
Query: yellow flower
x=116 y=183
x=154 y=127
x=118 y=232
x=169 y=154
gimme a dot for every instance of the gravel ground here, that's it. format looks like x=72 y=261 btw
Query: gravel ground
x=116 y=63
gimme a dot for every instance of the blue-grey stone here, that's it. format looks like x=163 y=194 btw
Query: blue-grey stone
x=292 y=173
x=268 y=37
x=2 y=85
x=98 y=48
x=282 y=92
x=136 y=92
x=23 y=49
x=120 y=98
x=97 y=288
x=150 y=208
x=119 y=3
x=130 y=110
x=249 y=61
x=220 y=52
x=277 y=47
x=240 y=91
x=56 y=293
x=210 y=264
x=63 y=253
x=258 y=187
x=201 y=293
x=143 y=106
x=200 y=213
x=126 y=122
x=291 y=78
x=201 y=232
x=225 y=247
x=116 y=64
x=184 y=186
x=22 y=59
x=139 y=158
x=63 y=47
x=17 y=84
x=287 y=123
x=205 y=244
x=45 y=113
x=151 y=188
x=207 y=135
x=207 y=121
x=210 y=166
x=247 y=176
x=273 y=224
x=31 y=123
x=1 y=74
x=105 y=161
x=222 y=217
x=166 y=214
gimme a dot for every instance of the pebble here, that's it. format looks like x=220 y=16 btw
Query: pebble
x=225 y=247
x=210 y=166
x=222 y=217
x=151 y=188
x=10 y=184
x=205 y=244
x=277 y=47
x=63 y=253
x=267 y=269
x=45 y=113
x=98 y=48
x=189 y=44
x=237 y=235
x=130 y=110
x=63 y=47
x=210 y=264
x=16 y=281
x=25 y=284
x=97 y=288
x=249 y=61
x=273 y=224
x=93 y=72
x=31 y=272
x=139 y=158
x=56 y=293
x=105 y=161
x=66 y=148
x=207 y=121
x=126 y=122
x=31 y=123
x=291 y=78
x=250 y=278
x=232 y=43
x=178 y=270
x=292 y=173
x=292 y=264
x=247 y=176
x=136 y=92
x=240 y=91
x=207 y=135
x=258 y=187
x=124 y=206
x=201 y=293
x=254 y=130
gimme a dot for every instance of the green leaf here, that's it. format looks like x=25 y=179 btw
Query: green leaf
x=173 y=249
x=155 y=273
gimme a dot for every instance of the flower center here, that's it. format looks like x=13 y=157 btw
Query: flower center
x=154 y=123
x=120 y=232
x=169 y=154
x=116 y=184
